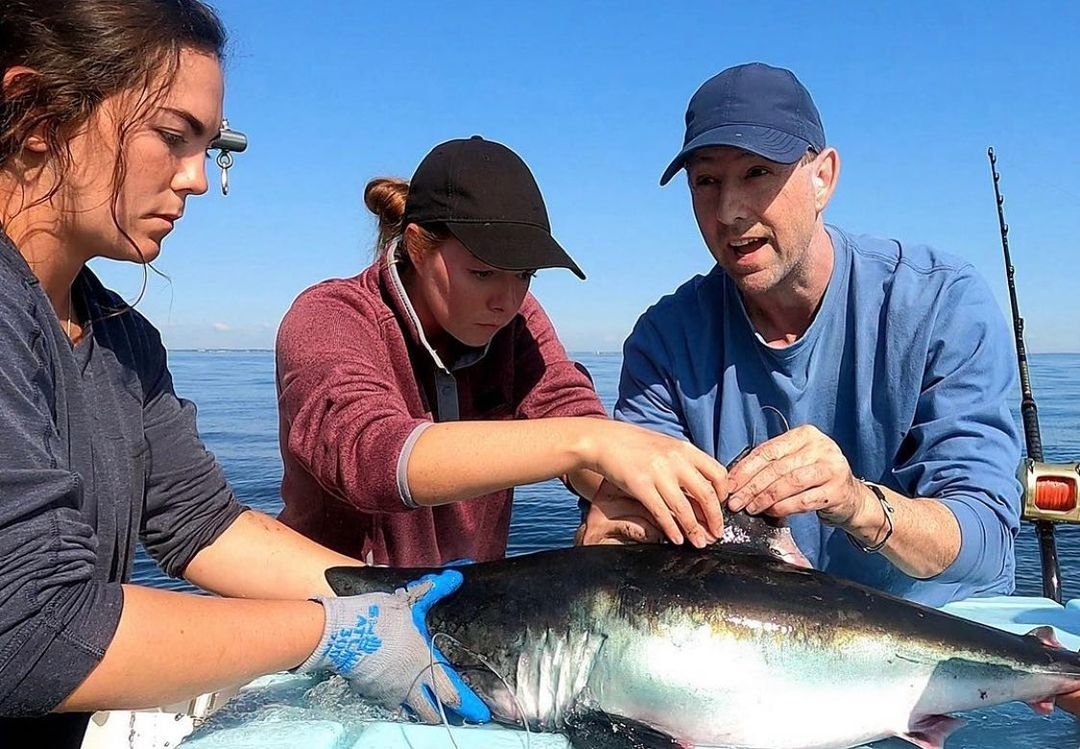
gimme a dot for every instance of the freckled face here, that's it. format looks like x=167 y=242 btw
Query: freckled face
x=463 y=296
x=165 y=159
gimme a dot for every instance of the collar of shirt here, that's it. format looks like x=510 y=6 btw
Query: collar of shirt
x=835 y=290
x=391 y=280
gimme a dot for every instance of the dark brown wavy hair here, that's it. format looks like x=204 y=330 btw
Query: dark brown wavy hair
x=80 y=52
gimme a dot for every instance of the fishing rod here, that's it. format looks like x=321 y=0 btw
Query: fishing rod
x=1051 y=491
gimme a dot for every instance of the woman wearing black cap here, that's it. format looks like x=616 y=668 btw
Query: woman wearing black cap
x=415 y=396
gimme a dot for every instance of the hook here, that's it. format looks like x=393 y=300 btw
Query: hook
x=227 y=143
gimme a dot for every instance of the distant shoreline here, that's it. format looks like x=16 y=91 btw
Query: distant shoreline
x=572 y=353
x=270 y=351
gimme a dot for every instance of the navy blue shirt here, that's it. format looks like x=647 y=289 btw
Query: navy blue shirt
x=96 y=452
x=908 y=365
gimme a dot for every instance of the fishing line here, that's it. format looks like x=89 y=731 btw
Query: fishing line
x=753 y=433
x=438 y=700
x=484 y=661
x=783 y=419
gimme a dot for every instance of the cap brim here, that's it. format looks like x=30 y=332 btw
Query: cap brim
x=512 y=246
x=774 y=145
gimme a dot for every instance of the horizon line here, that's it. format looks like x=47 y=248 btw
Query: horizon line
x=590 y=352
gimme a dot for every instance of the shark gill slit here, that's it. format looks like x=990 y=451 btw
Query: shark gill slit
x=488 y=665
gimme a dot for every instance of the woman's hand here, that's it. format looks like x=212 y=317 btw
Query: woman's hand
x=380 y=643
x=677 y=484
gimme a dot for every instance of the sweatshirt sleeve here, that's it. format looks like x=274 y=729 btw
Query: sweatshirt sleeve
x=55 y=621
x=188 y=502
x=344 y=418
x=964 y=447
x=552 y=383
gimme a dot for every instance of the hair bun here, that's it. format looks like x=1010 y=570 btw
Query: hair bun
x=385 y=197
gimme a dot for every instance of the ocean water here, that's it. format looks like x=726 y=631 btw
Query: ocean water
x=237 y=418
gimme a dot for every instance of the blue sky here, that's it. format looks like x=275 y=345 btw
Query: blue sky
x=592 y=95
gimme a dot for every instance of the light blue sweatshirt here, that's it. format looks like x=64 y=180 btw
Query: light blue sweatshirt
x=908 y=366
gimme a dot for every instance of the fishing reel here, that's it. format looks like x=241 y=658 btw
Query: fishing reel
x=1051 y=491
x=226 y=144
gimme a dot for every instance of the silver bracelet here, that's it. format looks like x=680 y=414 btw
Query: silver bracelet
x=888 y=509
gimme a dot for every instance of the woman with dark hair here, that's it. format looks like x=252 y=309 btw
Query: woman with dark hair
x=107 y=108
x=415 y=396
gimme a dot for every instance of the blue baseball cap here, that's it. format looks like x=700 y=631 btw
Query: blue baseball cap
x=755 y=107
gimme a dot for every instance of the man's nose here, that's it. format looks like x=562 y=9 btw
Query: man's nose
x=731 y=207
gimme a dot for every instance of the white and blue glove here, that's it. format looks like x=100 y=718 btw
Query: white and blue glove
x=380 y=643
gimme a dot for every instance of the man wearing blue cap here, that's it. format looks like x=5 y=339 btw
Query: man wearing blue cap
x=891 y=362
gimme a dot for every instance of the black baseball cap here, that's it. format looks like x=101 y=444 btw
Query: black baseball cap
x=487 y=198
x=755 y=107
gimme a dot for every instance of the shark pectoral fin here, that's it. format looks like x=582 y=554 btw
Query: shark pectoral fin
x=1046 y=636
x=931 y=731
x=599 y=730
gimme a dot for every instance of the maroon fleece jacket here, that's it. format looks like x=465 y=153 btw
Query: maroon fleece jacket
x=355 y=380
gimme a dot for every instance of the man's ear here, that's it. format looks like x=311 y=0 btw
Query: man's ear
x=826 y=174
x=35 y=143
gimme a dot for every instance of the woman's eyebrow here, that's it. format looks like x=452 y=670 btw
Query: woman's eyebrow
x=197 y=127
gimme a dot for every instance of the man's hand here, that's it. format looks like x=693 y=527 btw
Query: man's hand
x=616 y=518
x=804 y=471
x=800 y=471
x=678 y=485
x=380 y=643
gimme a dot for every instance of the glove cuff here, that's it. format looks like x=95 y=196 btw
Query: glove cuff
x=334 y=613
